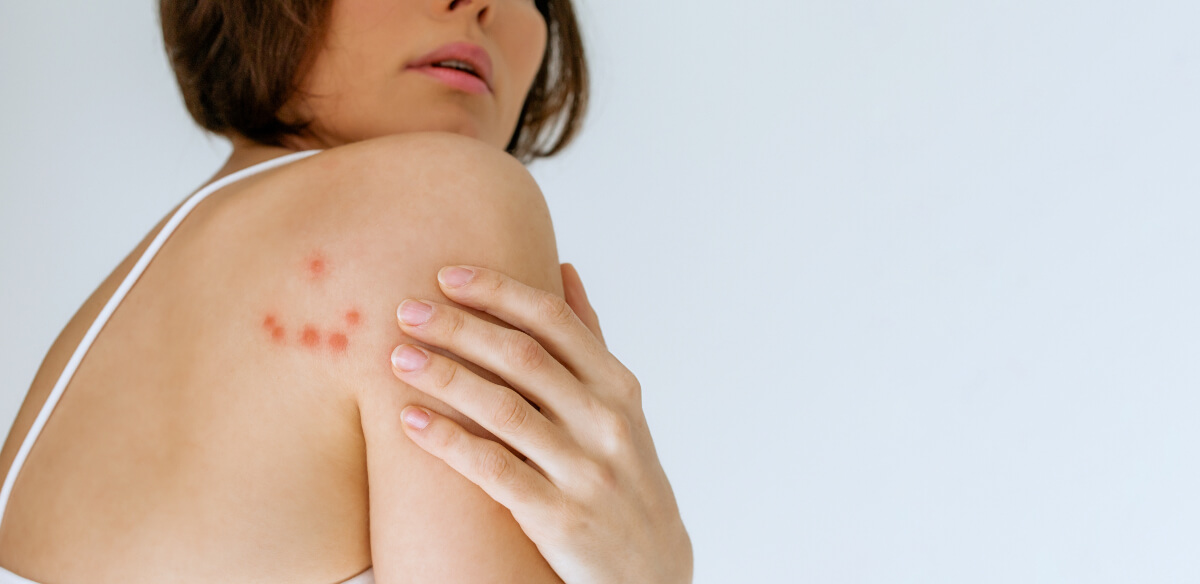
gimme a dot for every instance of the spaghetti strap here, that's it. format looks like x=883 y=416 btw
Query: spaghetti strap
x=131 y=278
x=367 y=576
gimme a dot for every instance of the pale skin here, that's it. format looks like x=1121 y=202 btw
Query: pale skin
x=592 y=494
x=196 y=445
x=589 y=490
x=192 y=432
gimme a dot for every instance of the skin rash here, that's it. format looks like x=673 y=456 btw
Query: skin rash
x=315 y=264
x=331 y=337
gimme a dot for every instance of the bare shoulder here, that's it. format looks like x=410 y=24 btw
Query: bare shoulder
x=360 y=227
x=383 y=218
x=368 y=224
x=340 y=238
x=450 y=168
x=289 y=284
x=449 y=150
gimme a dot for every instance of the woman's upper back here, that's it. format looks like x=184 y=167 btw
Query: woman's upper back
x=168 y=453
x=214 y=429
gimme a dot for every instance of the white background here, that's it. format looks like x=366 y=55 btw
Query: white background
x=911 y=287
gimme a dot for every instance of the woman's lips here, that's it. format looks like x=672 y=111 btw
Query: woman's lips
x=455 y=78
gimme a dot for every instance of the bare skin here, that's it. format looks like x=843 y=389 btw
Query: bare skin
x=155 y=462
x=194 y=443
x=183 y=458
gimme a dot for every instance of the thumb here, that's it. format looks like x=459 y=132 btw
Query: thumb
x=577 y=299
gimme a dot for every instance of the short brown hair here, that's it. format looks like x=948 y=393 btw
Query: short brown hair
x=238 y=62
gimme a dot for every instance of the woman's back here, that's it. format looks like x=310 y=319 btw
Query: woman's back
x=172 y=454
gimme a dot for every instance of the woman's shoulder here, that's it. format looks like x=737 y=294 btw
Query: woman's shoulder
x=321 y=254
x=378 y=188
x=442 y=167
x=413 y=191
x=420 y=155
x=393 y=191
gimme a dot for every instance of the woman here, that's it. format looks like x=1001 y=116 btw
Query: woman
x=237 y=416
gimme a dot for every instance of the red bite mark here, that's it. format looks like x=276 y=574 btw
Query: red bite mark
x=353 y=317
x=273 y=327
x=338 y=341
x=309 y=337
x=316 y=266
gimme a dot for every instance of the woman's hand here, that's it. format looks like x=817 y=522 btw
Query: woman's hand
x=591 y=494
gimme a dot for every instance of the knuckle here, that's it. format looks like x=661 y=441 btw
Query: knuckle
x=628 y=382
x=598 y=351
x=616 y=431
x=495 y=282
x=511 y=415
x=606 y=478
x=524 y=352
x=624 y=375
x=554 y=309
x=633 y=387
x=492 y=465
x=444 y=439
x=598 y=479
x=455 y=322
x=446 y=374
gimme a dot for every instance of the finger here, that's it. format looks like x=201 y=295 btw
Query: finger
x=544 y=316
x=498 y=409
x=511 y=354
x=497 y=471
x=577 y=298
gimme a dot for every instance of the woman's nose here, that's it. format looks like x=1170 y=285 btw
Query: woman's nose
x=479 y=9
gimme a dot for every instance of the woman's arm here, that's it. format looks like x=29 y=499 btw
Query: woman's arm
x=412 y=204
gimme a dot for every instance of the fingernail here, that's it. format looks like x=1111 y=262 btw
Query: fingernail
x=454 y=276
x=414 y=312
x=415 y=417
x=408 y=358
